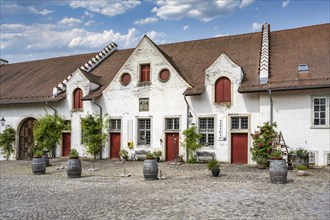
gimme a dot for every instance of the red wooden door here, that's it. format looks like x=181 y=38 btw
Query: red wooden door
x=66 y=144
x=114 y=145
x=239 y=148
x=172 y=146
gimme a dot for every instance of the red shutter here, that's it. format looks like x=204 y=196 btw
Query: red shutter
x=77 y=96
x=222 y=90
x=145 y=73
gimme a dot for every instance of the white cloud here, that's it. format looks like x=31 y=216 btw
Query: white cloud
x=70 y=21
x=11 y=7
x=108 y=8
x=245 y=3
x=90 y=23
x=256 y=26
x=157 y=37
x=285 y=3
x=35 y=41
x=146 y=21
x=201 y=10
x=186 y=27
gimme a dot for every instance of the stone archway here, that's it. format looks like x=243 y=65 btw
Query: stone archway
x=26 y=139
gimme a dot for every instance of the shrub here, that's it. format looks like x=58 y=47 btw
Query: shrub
x=191 y=141
x=158 y=153
x=6 y=140
x=38 y=153
x=302 y=153
x=124 y=153
x=276 y=154
x=263 y=141
x=150 y=155
x=301 y=167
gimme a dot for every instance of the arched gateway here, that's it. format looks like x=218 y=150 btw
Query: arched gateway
x=26 y=139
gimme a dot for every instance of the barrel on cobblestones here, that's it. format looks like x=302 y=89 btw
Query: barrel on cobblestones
x=150 y=169
x=38 y=166
x=74 y=168
x=278 y=171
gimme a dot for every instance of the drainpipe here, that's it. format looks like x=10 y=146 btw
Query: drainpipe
x=51 y=108
x=185 y=99
x=93 y=100
x=271 y=105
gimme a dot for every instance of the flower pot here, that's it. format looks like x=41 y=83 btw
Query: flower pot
x=74 y=168
x=46 y=158
x=301 y=172
x=278 y=171
x=215 y=172
x=38 y=165
x=150 y=169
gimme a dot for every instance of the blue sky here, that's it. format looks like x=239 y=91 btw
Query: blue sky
x=33 y=30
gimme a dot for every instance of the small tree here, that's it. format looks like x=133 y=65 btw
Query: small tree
x=93 y=135
x=6 y=140
x=191 y=141
x=47 y=130
x=262 y=142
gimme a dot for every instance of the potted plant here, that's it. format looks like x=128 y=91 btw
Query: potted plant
x=7 y=137
x=276 y=155
x=214 y=166
x=150 y=167
x=262 y=162
x=73 y=165
x=301 y=169
x=158 y=154
x=38 y=163
x=124 y=154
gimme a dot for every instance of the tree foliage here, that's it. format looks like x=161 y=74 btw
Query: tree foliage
x=6 y=140
x=93 y=135
x=47 y=130
x=262 y=141
x=191 y=140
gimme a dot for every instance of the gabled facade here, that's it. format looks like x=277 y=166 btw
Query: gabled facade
x=229 y=85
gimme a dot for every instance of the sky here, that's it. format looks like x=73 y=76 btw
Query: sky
x=33 y=30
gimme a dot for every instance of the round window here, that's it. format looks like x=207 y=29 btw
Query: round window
x=125 y=79
x=164 y=75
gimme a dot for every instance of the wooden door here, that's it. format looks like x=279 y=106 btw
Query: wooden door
x=66 y=144
x=172 y=146
x=239 y=148
x=114 y=145
x=26 y=142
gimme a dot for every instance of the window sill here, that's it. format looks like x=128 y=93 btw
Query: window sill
x=144 y=83
x=320 y=127
x=77 y=110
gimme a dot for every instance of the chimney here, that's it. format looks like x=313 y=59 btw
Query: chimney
x=264 y=55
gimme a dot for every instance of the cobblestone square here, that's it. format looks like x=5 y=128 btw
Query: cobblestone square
x=186 y=191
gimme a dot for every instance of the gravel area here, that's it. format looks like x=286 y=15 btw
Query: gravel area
x=186 y=191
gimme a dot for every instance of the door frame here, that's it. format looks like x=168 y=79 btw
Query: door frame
x=235 y=131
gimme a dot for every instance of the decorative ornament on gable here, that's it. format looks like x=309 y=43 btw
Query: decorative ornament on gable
x=88 y=66
x=92 y=63
x=264 y=57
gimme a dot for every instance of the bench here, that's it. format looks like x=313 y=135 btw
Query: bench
x=140 y=154
x=204 y=156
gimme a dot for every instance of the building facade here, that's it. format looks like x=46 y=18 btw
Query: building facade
x=225 y=86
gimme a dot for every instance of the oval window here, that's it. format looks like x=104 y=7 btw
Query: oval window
x=164 y=75
x=125 y=79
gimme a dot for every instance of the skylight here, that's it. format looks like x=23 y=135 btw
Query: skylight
x=302 y=67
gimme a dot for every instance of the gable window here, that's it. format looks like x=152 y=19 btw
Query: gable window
x=144 y=130
x=321 y=111
x=77 y=99
x=206 y=129
x=125 y=79
x=172 y=124
x=164 y=75
x=145 y=73
x=222 y=90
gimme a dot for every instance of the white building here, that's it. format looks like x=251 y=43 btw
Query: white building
x=229 y=85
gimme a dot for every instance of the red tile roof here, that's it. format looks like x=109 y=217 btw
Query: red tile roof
x=33 y=81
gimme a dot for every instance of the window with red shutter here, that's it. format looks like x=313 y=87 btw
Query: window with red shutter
x=77 y=99
x=145 y=73
x=222 y=90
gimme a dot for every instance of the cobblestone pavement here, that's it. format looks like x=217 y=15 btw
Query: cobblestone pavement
x=187 y=191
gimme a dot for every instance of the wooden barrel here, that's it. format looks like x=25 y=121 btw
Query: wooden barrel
x=38 y=166
x=150 y=169
x=278 y=171
x=74 y=168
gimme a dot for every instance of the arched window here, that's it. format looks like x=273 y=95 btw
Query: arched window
x=222 y=90
x=77 y=99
